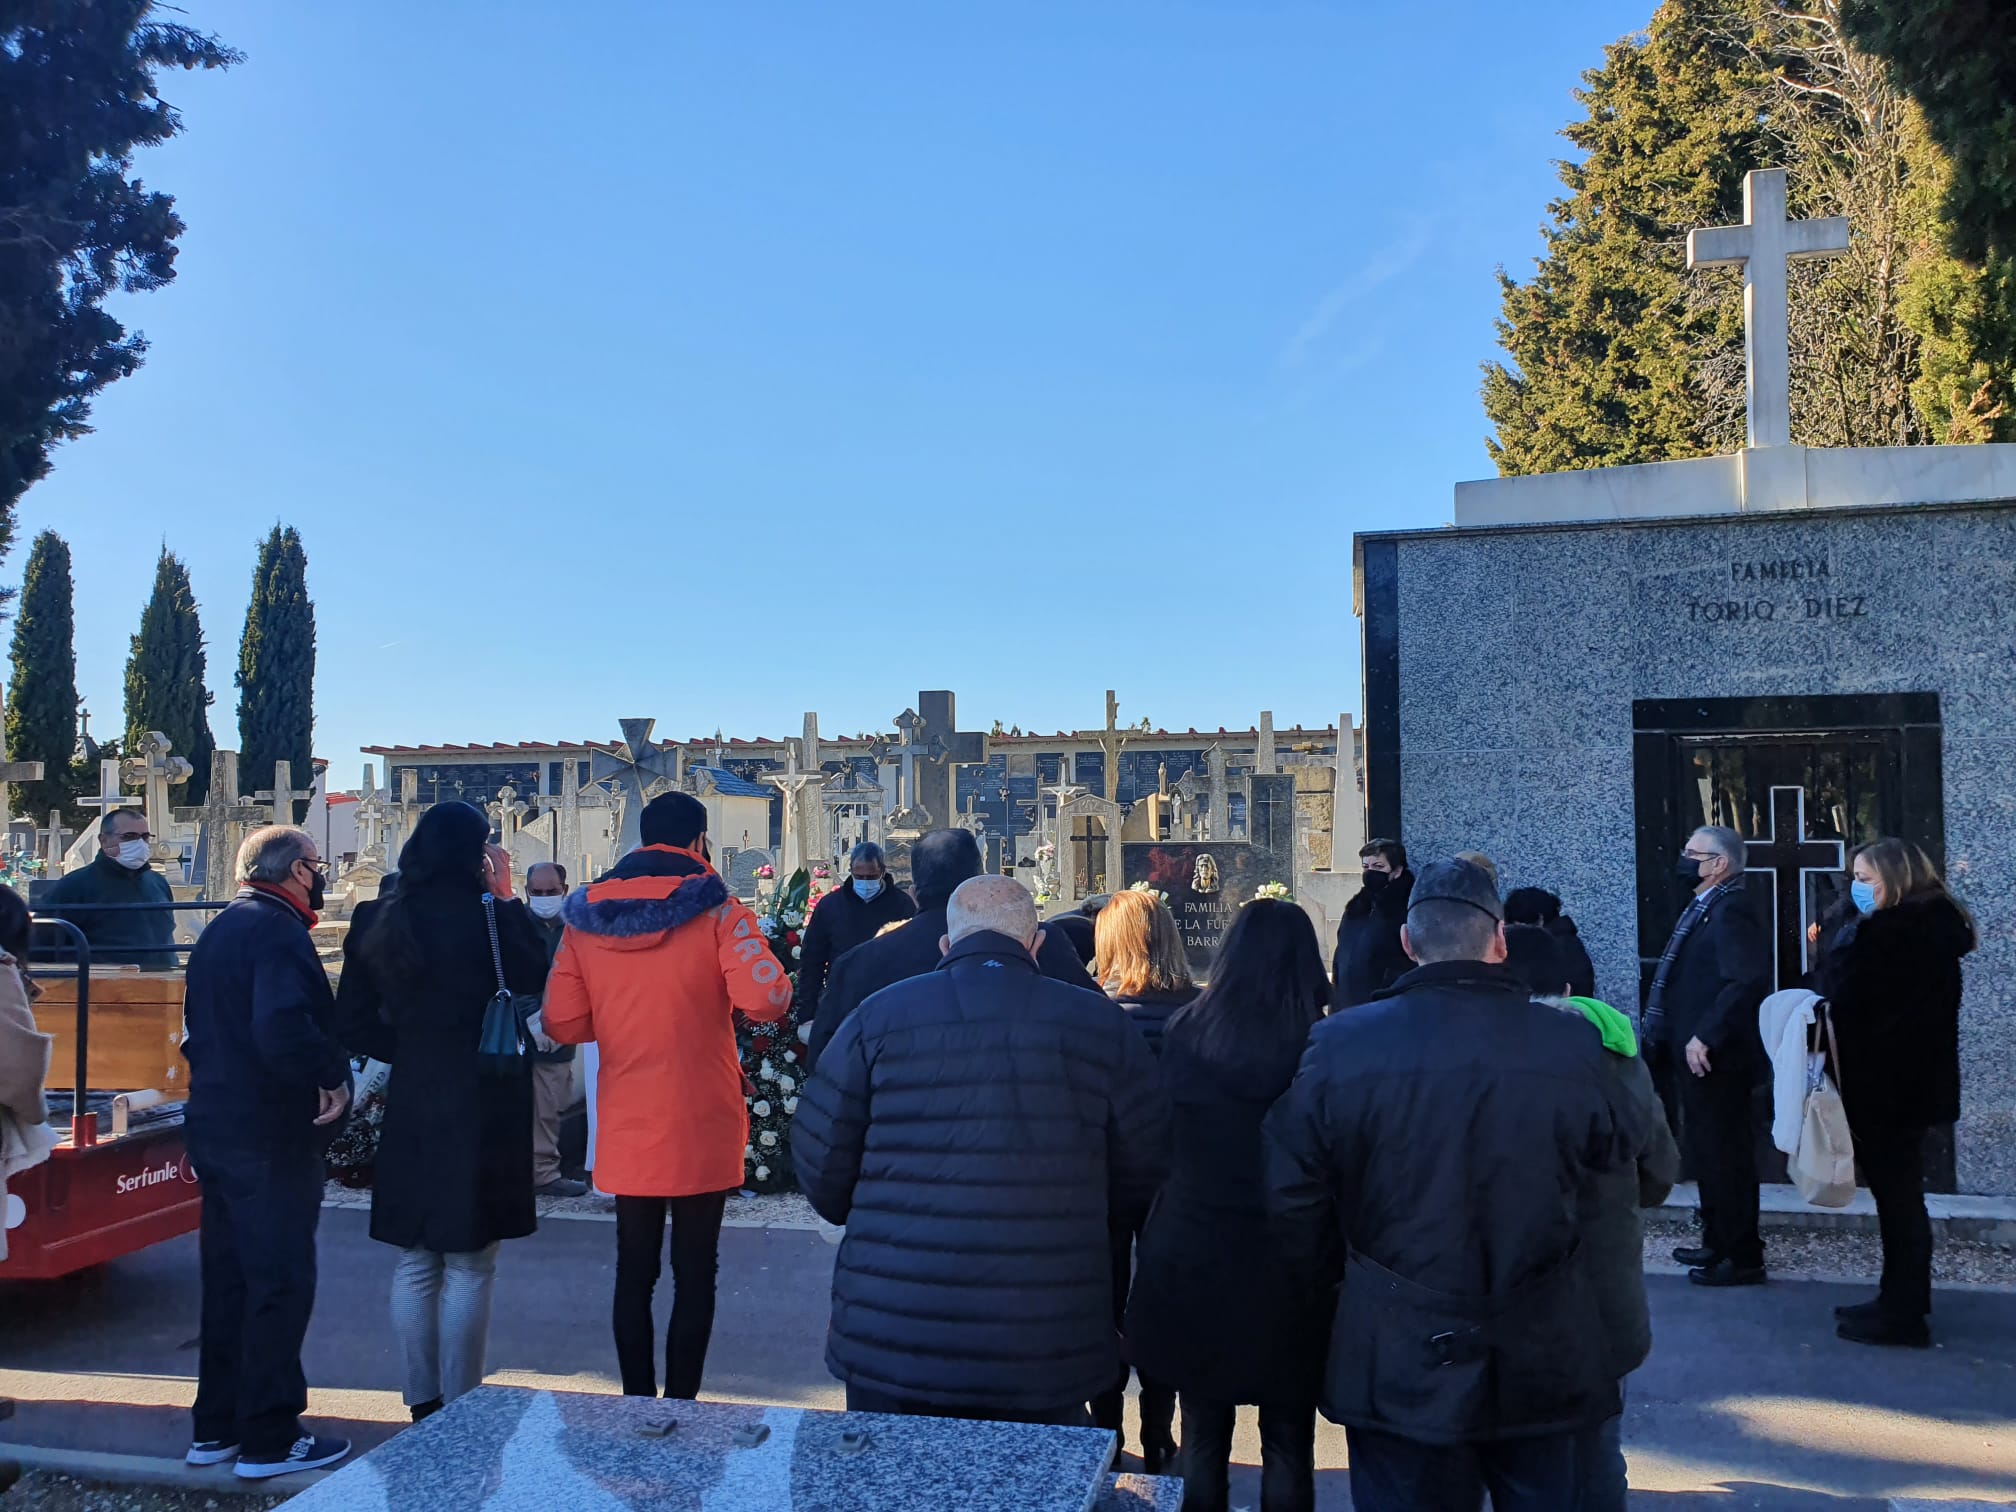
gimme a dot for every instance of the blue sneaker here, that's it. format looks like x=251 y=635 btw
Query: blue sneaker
x=307 y=1454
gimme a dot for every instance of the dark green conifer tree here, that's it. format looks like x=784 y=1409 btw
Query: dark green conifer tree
x=276 y=666
x=42 y=693
x=165 y=687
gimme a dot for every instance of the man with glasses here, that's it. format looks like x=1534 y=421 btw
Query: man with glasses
x=121 y=873
x=1701 y=1026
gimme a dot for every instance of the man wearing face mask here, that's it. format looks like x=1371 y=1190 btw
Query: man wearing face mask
x=122 y=872
x=1701 y=1030
x=552 y=1062
x=850 y=916
x=269 y=1087
x=1370 y=957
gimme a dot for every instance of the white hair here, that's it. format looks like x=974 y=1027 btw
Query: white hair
x=269 y=854
x=1000 y=905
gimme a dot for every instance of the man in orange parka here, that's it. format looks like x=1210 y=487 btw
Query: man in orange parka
x=654 y=962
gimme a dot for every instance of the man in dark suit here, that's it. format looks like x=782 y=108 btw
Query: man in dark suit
x=938 y=864
x=1715 y=972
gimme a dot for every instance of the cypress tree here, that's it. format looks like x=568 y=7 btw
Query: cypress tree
x=42 y=695
x=1620 y=355
x=276 y=665
x=165 y=688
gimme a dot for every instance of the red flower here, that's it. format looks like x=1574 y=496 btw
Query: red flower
x=791 y=937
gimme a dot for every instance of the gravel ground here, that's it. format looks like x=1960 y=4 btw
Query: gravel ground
x=40 y=1491
x=1836 y=1255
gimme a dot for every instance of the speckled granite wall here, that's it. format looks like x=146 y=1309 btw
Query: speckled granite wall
x=1521 y=651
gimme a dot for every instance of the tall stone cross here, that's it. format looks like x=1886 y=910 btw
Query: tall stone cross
x=1112 y=741
x=1790 y=856
x=221 y=821
x=109 y=797
x=634 y=765
x=909 y=753
x=55 y=841
x=566 y=806
x=1265 y=761
x=280 y=797
x=950 y=749
x=155 y=770
x=405 y=815
x=1761 y=247
x=370 y=816
x=809 y=744
x=1218 y=817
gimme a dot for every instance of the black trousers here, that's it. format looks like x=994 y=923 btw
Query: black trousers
x=867 y=1399
x=1390 y=1474
x=1893 y=1163
x=260 y=1209
x=1158 y=1402
x=696 y=1255
x=1722 y=1153
x=1287 y=1455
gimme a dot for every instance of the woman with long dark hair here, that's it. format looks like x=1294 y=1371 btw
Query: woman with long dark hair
x=1891 y=977
x=454 y=1169
x=1138 y=961
x=1211 y=1312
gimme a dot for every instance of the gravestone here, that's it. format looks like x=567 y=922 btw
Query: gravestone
x=531 y=1451
x=634 y=767
x=742 y=868
x=1208 y=881
x=804 y=810
x=1089 y=857
x=1218 y=818
x=221 y=823
x=947 y=749
x=280 y=798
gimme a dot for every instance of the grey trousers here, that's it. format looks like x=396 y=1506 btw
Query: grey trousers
x=441 y=1317
x=552 y=1086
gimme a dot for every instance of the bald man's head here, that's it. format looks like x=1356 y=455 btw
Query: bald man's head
x=997 y=905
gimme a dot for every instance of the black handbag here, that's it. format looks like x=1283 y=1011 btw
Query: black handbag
x=500 y=1046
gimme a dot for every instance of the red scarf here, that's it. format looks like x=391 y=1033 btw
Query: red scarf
x=308 y=916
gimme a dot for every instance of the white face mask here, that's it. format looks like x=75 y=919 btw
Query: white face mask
x=545 y=908
x=134 y=854
x=866 y=890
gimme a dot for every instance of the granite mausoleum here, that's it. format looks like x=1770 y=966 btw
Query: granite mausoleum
x=1813 y=647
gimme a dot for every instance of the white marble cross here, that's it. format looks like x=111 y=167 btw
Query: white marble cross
x=109 y=797
x=1761 y=247
x=155 y=770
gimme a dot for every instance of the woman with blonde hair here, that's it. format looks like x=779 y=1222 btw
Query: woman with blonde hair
x=1891 y=976
x=1138 y=961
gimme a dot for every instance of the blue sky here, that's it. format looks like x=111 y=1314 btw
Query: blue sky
x=718 y=362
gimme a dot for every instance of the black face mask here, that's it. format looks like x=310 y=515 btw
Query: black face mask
x=1688 y=870
x=1377 y=881
x=316 y=889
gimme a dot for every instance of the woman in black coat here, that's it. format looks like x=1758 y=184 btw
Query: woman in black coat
x=454 y=1168
x=1891 y=976
x=1212 y=1312
x=1137 y=958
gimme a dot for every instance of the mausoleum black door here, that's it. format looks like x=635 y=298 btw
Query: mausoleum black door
x=1803 y=781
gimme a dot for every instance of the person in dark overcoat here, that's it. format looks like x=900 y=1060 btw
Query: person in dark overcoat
x=1213 y=1311
x=1369 y=956
x=454 y=1169
x=850 y=915
x=1891 y=976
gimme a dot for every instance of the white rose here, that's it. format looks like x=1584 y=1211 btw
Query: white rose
x=767 y=1139
x=790 y=1057
x=785 y=1084
x=762 y=1173
x=767 y=1069
x=761 y=1109
x=797 y=951
x=748 y=1152
x=767 y=925
x=790 y=1105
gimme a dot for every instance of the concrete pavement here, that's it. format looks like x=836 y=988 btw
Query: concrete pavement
x=1749 y=1402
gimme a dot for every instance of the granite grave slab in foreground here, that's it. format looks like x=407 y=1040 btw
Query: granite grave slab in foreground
x=503 y=1449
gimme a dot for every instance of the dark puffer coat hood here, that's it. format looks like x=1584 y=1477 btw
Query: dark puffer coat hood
x=647 y=893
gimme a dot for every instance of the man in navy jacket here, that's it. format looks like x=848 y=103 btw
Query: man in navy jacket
x=268 y=1086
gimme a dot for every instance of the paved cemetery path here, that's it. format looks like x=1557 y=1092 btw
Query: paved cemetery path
x=1749 y=1401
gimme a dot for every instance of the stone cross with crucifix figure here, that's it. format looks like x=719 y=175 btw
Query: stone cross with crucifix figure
x=1761 y=247
x=804 y=813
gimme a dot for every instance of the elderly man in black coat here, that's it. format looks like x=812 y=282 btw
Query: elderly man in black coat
x=977 y=1129
x=1701 y=1027
x=268 y=1085
x=938 y=864
x=1369 y=956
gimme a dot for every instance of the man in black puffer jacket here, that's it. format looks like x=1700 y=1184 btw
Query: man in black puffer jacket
x=977 y=1129
x=1369 y=956
x=938 y=863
